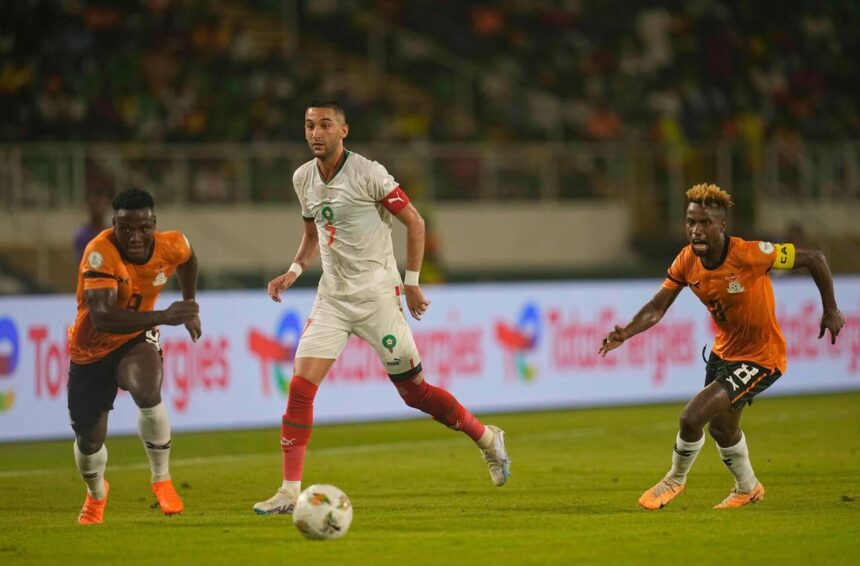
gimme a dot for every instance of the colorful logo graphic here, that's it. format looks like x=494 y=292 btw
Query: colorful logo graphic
x=328 y=213
x=279 y=349
x=521 y=340
x=389 y=342
x=318 y=498
x=9 y=354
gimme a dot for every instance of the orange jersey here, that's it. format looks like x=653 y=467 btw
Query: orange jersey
x=739 y=295
x=137 y=286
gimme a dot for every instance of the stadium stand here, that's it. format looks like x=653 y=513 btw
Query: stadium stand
x=166 y=70
x=468 y=102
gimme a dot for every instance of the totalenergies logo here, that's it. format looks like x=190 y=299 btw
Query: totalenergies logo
x=9 y=354
x=276 y=352
x=520 y=341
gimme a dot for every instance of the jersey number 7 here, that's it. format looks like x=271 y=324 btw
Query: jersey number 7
x=331 y=232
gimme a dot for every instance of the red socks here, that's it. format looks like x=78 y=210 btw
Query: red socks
x=440 y=405
x=296 y=426
x=297 y=423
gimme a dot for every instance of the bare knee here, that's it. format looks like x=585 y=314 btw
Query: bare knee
x=724 y=436
x=146 y=397
x=90 y=442
x=691 y=425
x=140 y=373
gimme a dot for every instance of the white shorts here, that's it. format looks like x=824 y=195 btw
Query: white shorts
x=381 y=323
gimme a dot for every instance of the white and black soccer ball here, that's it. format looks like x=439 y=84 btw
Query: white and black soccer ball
x=323 y=512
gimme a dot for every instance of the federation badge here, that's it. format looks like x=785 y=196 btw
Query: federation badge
x=389 y=341
x=766 y=247
x=735 y=285
x=160 y=279
x=328 y=213
x=95 y=259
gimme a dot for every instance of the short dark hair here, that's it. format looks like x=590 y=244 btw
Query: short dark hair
x=324 y=103
x=133 y=199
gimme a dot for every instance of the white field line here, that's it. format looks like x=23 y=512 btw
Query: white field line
x=316 y=453
x=663 y=426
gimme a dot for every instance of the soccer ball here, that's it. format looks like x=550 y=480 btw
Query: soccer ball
x=323 y=512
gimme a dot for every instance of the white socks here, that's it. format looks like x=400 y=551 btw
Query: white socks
x=683 y=457
x=293 y=487
x=92 y=469
x=486 y=439
x=153 y=426
x=737 y=460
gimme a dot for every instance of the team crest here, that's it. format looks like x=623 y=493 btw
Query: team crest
x=735 y=285
x=160 y=279
x=327 y=213
x=95 y=259
x=389 y=341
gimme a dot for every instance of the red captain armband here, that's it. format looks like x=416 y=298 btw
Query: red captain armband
x=395 y=201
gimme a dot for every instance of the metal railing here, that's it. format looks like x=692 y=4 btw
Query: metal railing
x=652 y=176
x=815 y=179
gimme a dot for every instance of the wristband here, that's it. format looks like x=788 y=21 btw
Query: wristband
x=411 y=278
x=295 y=268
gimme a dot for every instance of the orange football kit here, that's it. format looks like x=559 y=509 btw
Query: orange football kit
x=137 y=286
x=739 y=295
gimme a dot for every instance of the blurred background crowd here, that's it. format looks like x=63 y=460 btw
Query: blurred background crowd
x=197 y=70
x=547 y=101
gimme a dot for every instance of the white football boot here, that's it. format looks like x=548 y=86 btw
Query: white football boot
x=496 y=457
x=283 y=502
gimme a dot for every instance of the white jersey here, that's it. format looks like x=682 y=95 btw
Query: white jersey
x=354 y=228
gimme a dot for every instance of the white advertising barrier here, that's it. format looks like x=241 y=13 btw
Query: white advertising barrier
x=497 y=347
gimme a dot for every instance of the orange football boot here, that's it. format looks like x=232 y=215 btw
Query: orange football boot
x=739 y=499
x=93 y=512
x=168 y=499
x=661 y=494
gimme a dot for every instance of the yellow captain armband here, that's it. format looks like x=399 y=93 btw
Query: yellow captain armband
x=784 y=256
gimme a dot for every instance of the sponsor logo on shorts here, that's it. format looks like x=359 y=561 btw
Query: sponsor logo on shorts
x=744 y=373
x=153 y=336
x=160 y=279
x=389 y=342
x=394 y=363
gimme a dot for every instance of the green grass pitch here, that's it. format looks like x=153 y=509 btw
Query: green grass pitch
x=422 y=494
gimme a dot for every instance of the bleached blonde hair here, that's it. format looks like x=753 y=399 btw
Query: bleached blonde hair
x=707 y=194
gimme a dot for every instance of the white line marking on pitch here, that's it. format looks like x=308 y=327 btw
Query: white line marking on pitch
x=406 y=445
x=319 y=452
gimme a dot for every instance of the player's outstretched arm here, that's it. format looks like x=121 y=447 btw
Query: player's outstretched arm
x=816 y=263
x=308 y=249
x=415 y=234
x=187 y=273
x=649 y=315
x=107 y=316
